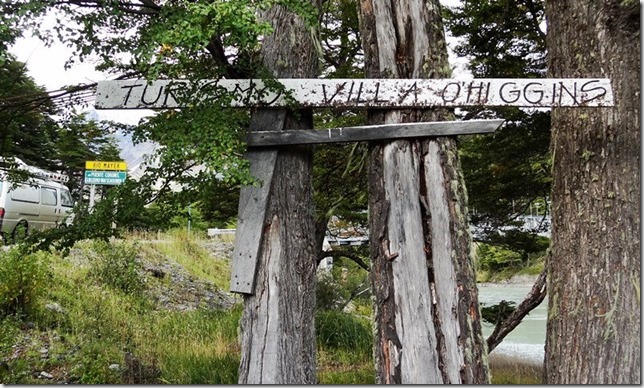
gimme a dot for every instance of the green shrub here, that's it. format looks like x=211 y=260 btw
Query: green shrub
x=328 y=292
x=116 y=265
x=23 y=277
x=496 y=258
x=337 y=330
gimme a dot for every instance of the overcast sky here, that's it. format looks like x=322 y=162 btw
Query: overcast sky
x=47 y=66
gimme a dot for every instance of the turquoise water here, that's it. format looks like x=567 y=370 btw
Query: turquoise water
x=528 y=339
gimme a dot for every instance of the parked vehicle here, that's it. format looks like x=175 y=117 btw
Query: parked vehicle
x=39 y=203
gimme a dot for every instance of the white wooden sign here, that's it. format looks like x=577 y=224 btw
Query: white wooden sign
x=363 y=93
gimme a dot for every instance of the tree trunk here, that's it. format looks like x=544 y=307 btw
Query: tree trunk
x=277 y=325
x=593 y=332
x=428 y=328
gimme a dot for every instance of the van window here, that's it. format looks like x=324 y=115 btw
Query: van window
x=66 y=198
x=48 y=196
x=25 y=193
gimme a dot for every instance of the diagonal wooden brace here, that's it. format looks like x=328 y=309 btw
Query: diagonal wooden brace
x=252 y=205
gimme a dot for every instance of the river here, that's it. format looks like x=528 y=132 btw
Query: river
x=527 y=340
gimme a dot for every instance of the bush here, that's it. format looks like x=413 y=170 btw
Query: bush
x=23 y=278
x=337 y=330
x=495 y=258
x=328 y=293
x=116 y=266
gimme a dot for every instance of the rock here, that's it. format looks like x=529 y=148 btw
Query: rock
x=157 y=273
x=46 y=375
x=114 y=367
x=55 y=307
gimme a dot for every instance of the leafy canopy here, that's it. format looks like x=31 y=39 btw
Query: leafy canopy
x=507 y=171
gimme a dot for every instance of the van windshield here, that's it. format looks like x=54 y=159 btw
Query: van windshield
x=66 y=198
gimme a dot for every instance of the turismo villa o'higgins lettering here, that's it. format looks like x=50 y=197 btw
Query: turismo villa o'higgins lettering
x=360 y=93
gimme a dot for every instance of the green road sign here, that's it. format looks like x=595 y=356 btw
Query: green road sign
x=104 y=177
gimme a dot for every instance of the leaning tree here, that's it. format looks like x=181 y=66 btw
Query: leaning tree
x=593 y=331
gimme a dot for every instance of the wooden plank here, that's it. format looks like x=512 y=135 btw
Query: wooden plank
x=251 y=215
x=363 y=93
x=372 y=132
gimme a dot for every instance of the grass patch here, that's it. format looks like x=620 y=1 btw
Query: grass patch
x=196 y=260
x=509 y=370
x=196 y=347
x=85 y=328
x=344 y=348
x=353 y=374
x=94 y=324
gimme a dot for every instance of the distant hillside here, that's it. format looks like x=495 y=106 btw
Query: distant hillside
x=134 y=155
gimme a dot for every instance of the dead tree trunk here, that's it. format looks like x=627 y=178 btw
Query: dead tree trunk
x=277 y=327
x=593 y=332
x=428 y=327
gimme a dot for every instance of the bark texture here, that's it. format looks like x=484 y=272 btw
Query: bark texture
x=277 y=327
x=427 y=318
x=593 y=332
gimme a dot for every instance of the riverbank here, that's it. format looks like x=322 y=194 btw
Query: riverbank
x=520 y=279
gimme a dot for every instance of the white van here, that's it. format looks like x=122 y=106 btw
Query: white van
x=37 y=204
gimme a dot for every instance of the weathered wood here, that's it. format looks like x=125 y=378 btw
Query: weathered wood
x=372 y=132
x=277 y=325
x=362 y=93
x=252 y=206
x=412 y=294
x=427 y=322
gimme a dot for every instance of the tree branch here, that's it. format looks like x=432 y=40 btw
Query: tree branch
x=166 y=184
x=340 y=252
x=533 y=13
x=532 y=300
x=146 y=7
x=216 y=49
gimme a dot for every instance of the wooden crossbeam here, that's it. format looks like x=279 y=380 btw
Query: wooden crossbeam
x=371 y=132
x=360 y=93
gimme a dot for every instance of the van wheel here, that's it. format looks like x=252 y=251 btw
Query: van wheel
x=20 y=232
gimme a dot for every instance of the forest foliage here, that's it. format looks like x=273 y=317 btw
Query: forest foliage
x=202 y=146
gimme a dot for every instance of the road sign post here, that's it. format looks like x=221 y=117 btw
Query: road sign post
x=99 y=172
